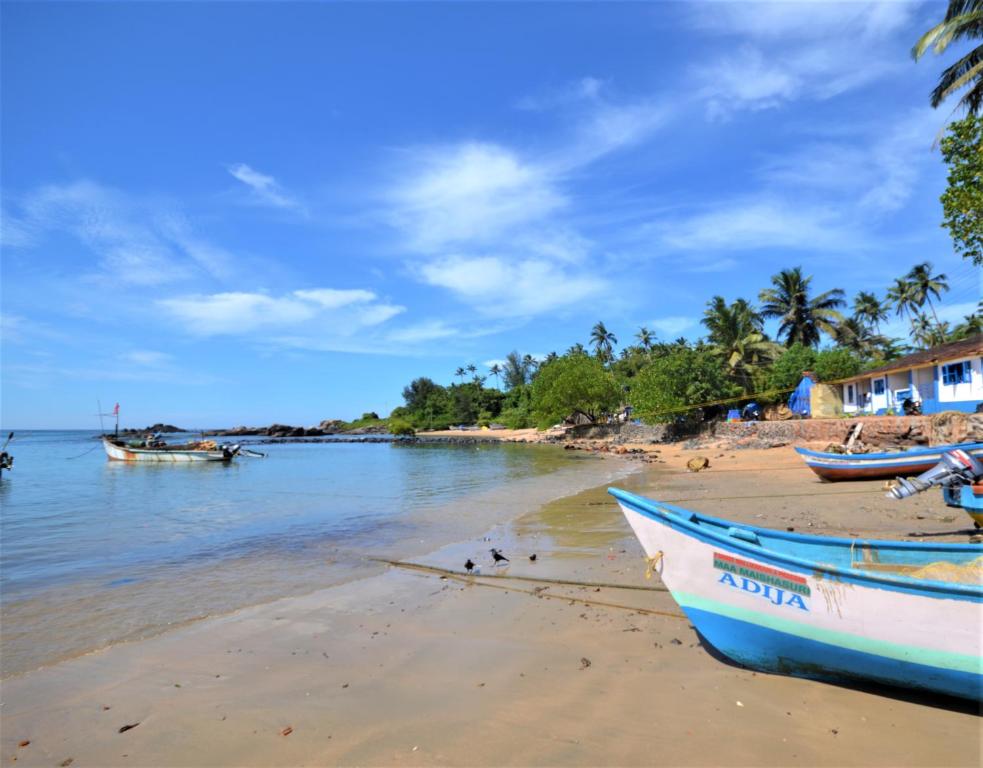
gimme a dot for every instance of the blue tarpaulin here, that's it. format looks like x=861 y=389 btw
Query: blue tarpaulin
x=799 y=401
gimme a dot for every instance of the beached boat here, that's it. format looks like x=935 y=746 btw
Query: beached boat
x=826 y=608
x=121 y=450
x=872 y=466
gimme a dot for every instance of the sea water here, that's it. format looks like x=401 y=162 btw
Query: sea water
x=94 y=552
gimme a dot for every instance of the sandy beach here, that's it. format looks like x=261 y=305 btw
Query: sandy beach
x=409 y=668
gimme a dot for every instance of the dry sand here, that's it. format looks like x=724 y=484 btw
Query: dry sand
x=407 y=668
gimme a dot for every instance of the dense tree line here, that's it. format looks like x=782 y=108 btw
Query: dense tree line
x=736 y=360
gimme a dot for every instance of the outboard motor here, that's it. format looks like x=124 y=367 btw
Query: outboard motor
x=957 y=468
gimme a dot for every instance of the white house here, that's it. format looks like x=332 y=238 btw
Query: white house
x=948 y=377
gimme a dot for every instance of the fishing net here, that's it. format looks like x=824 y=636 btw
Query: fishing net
x=966 y=573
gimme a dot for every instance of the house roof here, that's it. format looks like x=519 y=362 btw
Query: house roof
x=954 y=350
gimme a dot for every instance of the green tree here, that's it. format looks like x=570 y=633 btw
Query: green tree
x=570 y=385
x=834 y=364
x=870 y=310
x=924 y=286
x=737 y=338
x=859 y=337
x=515 y=371
x=675 y=382
x=645 y=338
x=603 y=342
x=801 y=319
x=901 y=294
x=962 y=201
x=963 y=21
x=787 y=371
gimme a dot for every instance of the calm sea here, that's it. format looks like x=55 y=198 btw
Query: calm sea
x=94 y=552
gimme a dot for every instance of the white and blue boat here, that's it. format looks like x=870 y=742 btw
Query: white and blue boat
x=899 y=613
x=872 y=466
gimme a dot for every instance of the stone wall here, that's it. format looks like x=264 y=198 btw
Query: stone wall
x=878 y=432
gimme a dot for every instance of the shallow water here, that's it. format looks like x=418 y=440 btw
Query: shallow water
x=94 y=552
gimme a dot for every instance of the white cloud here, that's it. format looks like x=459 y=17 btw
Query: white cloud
x=146 y=357
x=136 y=242
x=472 y=193
x=429 y=330
x=500 y=287
x=264 y=189
x=322 y=311
x=793 y=50
x=748 y=224
x=671 y=327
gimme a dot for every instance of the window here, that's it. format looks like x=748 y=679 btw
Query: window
x=878 y=386
x=956 y=373
x=849 y=393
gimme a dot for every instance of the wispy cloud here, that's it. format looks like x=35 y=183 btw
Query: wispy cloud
x=323 y=310
x=500 y=287
x=136 y=242
x=263 y=189
x=147 y=358
x=671 y=327
x=585 y=89
x=793 y=50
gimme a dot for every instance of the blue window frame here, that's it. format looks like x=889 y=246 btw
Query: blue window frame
x=878 y=386
x=849 y=393
x=956 y=373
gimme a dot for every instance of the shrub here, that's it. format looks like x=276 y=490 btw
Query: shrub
x=398 y=426
x=838 y=363
x=572 y=384
x=685 y=377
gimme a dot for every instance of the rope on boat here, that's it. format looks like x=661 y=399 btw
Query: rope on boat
x=506 y=577
x=69 y=458
x=811 y=494
x=653 y=563
x=474 y=580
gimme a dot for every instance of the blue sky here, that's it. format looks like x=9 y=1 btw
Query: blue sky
x=223 y=214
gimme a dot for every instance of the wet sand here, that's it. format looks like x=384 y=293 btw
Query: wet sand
x=406 y=668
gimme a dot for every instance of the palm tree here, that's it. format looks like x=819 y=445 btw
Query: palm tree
x=902 y=296
x=646 y=338
x=603 y=341
x=924 y=286
x=737 y=337
x=971 y=324
x=577 y=349
x=550 y=358
x=856 y=335
x=515 y=372
x=460 y=373
x=530 y=363
x=963 y=21
x=496 y=371
x=802 y=319
x=922 y=330
x=471 y=368
x=870 y=310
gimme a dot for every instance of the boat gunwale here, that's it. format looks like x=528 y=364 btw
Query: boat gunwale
x=916 y=453
x=651 y=508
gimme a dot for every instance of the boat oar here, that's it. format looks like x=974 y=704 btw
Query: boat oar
x=7 y=442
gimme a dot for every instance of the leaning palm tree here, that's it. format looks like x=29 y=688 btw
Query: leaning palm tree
x=603 y=341
x=902 y=296
x=496 y=371
x=736 y=336
x=924 y=285
x=963 y=21
x=645 y=338
x=857 y=336
x=869 y=310
x=801 y=319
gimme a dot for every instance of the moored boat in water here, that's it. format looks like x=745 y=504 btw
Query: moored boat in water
x=121 y=450
x=900 y=613
x=874 y=466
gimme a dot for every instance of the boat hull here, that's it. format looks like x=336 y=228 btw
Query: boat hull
x=783 y=614
x=118 y=452
x=879 y=466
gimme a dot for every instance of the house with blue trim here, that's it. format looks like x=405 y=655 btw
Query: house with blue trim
x=948 y=377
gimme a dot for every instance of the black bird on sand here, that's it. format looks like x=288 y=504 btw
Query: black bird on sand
x=532 y=557
x=469 y=566
x=498 y=556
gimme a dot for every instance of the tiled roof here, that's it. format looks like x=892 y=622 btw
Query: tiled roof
x=954 y=350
